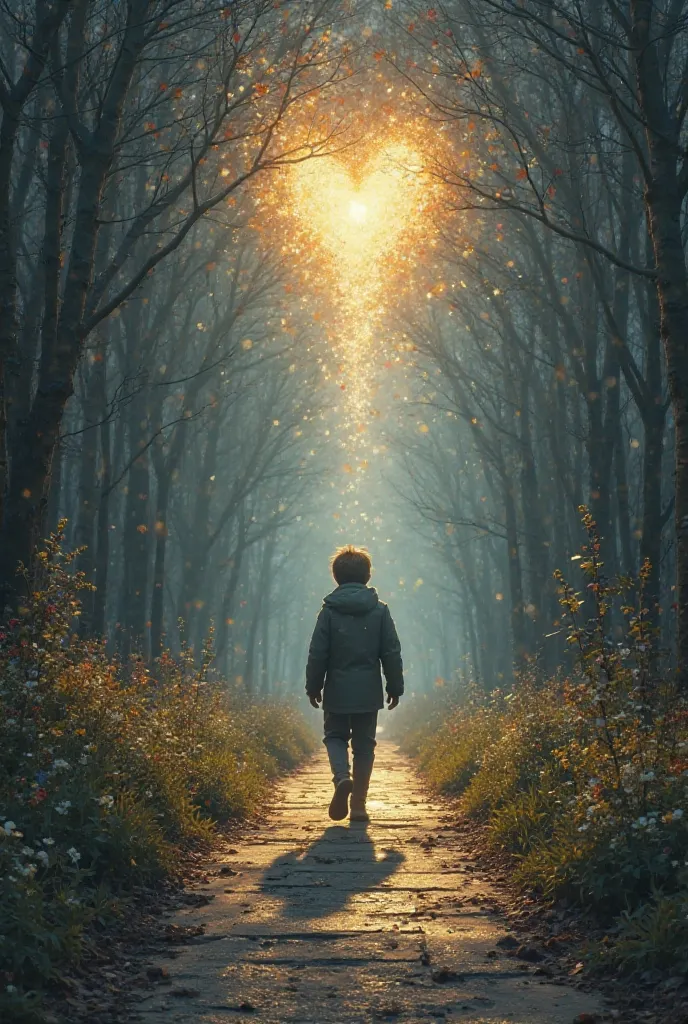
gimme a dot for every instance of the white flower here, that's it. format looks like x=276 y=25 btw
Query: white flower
x=60 y=763
x=27 y=851
x=63 y=806
x=43 y=857
x=48 y=842
x=11 y=989
x=106 y=801
x=9 y=827
x=73 y=855
x=678 y=813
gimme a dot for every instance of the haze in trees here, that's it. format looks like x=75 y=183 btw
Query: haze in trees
x=275 y=276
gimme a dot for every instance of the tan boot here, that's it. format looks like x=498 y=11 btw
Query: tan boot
x=358 y=811
x=360 y=793
x=339 y=805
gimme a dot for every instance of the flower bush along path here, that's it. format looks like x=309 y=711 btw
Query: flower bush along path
x=309 y=921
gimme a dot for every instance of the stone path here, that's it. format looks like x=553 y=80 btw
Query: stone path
x=312 y=922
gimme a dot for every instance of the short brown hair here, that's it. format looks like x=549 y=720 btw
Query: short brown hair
x=351 y=565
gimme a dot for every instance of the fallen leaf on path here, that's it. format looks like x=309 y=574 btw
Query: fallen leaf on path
x=529 y=954
x=443 y=976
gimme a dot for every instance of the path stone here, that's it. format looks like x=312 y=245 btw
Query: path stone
x=349 y=924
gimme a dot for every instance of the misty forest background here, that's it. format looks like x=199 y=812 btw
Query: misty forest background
x=161 y=383
x=202 y=394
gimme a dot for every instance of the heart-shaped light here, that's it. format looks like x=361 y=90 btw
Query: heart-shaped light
x=359 y=217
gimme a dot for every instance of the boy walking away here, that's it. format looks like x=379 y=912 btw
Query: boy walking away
x=353 y=637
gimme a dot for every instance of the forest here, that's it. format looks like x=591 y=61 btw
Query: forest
x=282 y=275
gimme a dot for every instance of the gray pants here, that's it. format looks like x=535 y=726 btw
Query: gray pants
x=360 y=729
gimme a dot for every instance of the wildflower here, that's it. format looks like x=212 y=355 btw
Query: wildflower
x=9 y=827
x=48 y=842
x=63 y=806
x=43 y=857
x=60 y=764
x=30 y=684
x=11 y=990
x=27 y=851
x=27 y=871
x=73 y=855
x=106 y=801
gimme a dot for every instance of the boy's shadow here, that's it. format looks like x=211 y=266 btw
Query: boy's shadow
x=341 y=863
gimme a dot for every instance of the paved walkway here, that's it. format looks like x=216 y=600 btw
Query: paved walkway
x=312 y=922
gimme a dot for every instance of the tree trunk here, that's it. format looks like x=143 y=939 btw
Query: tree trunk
x=33 y=448
x=515 y=574
x=664 y=201
x=158 y=593
x=133 y=602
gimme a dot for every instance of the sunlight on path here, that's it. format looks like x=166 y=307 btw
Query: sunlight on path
x=353 y=924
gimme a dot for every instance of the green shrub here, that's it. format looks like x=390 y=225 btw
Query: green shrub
x=584 y=780
x=104 y=773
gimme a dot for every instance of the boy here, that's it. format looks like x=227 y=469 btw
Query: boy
x=354 y=634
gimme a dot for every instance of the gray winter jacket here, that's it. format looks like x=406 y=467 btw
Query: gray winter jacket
x=354 y=634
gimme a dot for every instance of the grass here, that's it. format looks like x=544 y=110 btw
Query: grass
x=582 y=779
x=107 y=772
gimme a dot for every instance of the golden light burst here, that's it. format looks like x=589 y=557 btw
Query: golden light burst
x=362 y=223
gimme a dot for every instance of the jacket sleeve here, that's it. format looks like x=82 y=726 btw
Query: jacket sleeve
x=390 y=656
x=318 y=655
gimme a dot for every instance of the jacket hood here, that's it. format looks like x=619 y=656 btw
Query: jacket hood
x=352 y=599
